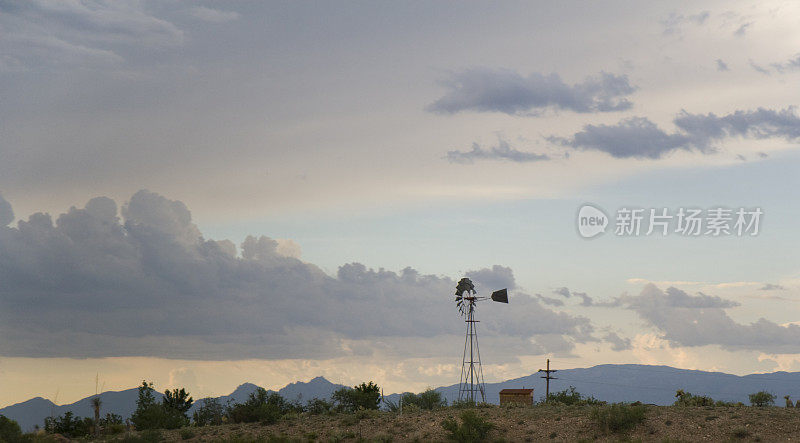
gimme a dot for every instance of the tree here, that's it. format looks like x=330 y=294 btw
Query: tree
x=762 y=398
x=9 y=430
x=210 y=412
x=261 y=406
x=363 y=396
x=68 y=425
x=152 y=415
x=178 y=400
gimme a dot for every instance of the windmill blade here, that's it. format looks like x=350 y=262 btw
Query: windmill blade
x=500 y=296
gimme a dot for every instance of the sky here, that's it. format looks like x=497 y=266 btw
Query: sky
x=204 y=194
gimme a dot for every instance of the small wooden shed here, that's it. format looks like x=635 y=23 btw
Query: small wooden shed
x=521 y=396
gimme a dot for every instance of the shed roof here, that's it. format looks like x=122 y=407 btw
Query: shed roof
x=516 y=391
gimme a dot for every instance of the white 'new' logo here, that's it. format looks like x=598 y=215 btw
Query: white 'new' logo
x=591 y=221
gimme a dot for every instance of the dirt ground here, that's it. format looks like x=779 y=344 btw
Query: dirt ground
x=537 y=423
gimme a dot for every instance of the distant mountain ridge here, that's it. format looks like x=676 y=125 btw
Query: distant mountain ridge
x=612 y=383
x=32 y=412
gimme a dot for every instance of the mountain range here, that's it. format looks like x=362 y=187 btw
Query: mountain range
x=612 y=383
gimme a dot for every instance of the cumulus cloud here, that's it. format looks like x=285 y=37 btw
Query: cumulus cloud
x=500 y=152
x=92 y=284
x=586 y=300
x=699 y=320
x=674 y=22
x=549 y=300
x=789 y=65
x=638 y=137
x=742 y=29
x=491 y=279
x=6 y=212
x=722 y=66
x=506 y=91
x=618 y=343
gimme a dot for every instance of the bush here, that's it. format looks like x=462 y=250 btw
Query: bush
x=9 y=430
x=210 y=412
x=427 y=400
x=363 y=396
x=187 y=433
x=261 y=406
x=178 y=400
x=68 y=425
x=473 y=427
x=319 y=406
x=618 y=417
x=762 y=398
x=152 y=415
x=571 y=397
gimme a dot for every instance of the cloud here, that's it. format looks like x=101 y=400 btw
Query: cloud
x=722 y=66
x=6 y=212
x=549 y=300
x=506 y=91
x=564 y=292
x=741 y=30
x=214 y=15
x=496 y=277
x=772 y=287
x=759 y=68
x=93 y=285
x=57 y=32
x=789 y=65
x=673 y=22
x=500 y=152
x=618 y=343
x=638 y=137
x=701 y=320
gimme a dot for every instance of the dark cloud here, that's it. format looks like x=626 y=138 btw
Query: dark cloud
x=638 y=137
x=789 y=65
x=772 y=287
x=617 y=343
x=741 y=30
x=563 y=291
x=722 y=66
x=500 y=152
x=699 y=320
x=6 y=213
x=585 y=299
x=506 y=91
x=759 y=68
x=491 y=279
x=93 y=285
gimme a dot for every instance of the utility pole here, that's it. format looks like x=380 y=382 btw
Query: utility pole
x=548 y=378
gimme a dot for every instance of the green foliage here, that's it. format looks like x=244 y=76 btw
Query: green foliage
x=319 y=406
x=427 y=400
x=473 y=427
x=178 y=400
x=572 y=397
x=762 y=398
x=261 y=406
x=363 y=396
x=68 y=425
x=209 y=413
x=9 y=430
x=152 y=415
x=688 y=399
x=618 y=417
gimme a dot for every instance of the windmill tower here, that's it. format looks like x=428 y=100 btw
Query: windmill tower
x=471 y=385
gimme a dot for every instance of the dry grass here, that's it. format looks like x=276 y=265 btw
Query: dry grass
x=538 y=423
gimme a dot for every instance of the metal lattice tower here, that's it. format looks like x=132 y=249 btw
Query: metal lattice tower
x=471 y=384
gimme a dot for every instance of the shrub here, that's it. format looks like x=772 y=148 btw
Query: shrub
x=363 y=396
x=428 y=400
x=9 y=430
x=178 y=400
x=762 y=398
x=210 y=412
x=318 y=406
x=152 y=415
x=473 y=427
x=261 y=406
x=68 y=425
x=572 y=397
x=187 y=433
x=618 y=417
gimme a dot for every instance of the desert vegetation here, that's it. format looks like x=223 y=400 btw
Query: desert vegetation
x=360 y=414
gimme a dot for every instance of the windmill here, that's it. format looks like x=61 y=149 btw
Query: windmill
x=471 y=384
